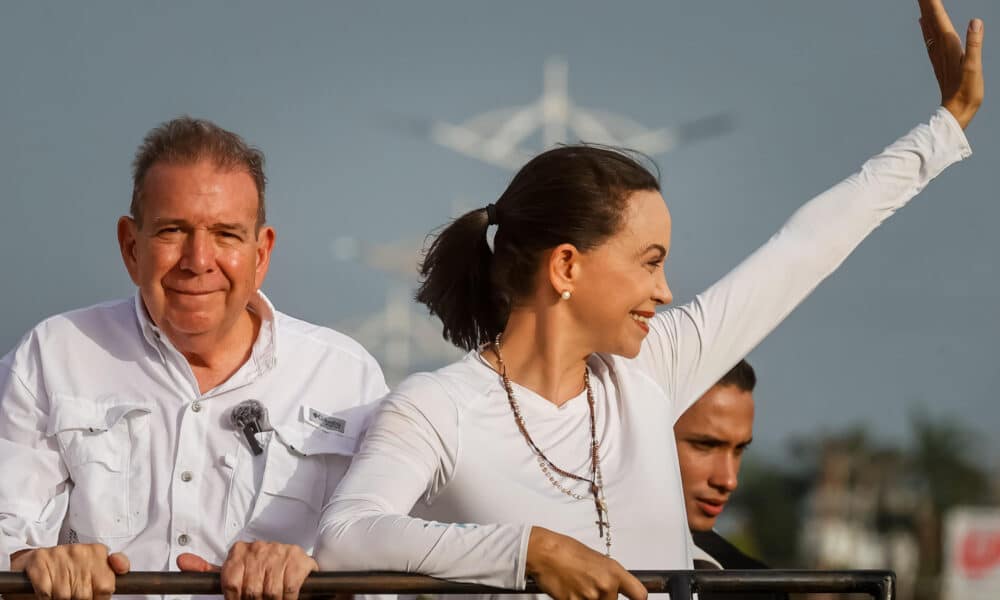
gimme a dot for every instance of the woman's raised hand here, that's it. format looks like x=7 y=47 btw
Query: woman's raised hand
x=568 y=570
x=959 y=70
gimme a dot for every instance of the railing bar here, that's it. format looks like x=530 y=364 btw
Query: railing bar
x=879 y=584
x=869 y=582
x=888 y=587
x=680 y=586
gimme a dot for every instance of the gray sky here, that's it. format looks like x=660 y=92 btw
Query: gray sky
x=815 y=88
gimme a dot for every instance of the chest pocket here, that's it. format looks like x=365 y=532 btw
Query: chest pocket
x=105 y=444
x=298 y=462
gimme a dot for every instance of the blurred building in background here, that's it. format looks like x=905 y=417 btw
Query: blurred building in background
x=403 y=338
x=928 y=511
x=972 y=554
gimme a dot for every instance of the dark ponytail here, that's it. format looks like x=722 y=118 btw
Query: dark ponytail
x=456 y=282
x=571 y=194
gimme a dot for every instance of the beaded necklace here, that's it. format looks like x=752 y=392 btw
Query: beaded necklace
x=595 y=481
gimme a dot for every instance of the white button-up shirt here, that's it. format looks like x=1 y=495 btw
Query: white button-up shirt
x=105 y=436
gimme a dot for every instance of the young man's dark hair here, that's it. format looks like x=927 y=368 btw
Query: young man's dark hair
x=742 y=376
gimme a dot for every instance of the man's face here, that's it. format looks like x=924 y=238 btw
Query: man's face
x=196 y=257
x=711 y=437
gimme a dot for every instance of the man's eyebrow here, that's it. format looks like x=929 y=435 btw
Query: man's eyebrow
x=235 y=227
x=703 y=439
x=230 y=227
x=161 y=221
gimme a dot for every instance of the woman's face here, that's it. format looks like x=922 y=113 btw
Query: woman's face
x=622 y=281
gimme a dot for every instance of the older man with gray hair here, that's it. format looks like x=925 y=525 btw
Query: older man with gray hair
x=191 y=424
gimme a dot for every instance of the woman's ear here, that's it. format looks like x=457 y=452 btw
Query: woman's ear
x=564 y=269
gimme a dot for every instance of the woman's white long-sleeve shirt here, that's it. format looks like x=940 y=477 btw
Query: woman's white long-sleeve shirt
x=445 y=446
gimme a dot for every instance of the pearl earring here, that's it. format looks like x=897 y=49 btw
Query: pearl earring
x=566 y=294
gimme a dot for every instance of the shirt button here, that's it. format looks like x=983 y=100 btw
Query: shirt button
x=186 y=476
x=196 y=406
x=183 y=539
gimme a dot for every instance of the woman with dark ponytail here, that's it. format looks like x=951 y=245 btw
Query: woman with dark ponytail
x=548 y=450
x=573 y=195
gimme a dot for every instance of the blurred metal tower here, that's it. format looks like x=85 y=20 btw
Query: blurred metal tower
x=507 y=137
x=399 y=338
x=501 y=137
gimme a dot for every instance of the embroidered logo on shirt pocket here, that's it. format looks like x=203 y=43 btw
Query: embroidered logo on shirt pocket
x=101 y=440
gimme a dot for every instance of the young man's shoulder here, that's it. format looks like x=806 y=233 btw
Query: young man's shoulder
x=724 y=552
x=730 y=557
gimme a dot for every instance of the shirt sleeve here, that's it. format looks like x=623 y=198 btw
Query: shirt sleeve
x=410 y=451
x=371 y=389
x=34 y=489
x=375 y=387
x=691 y=346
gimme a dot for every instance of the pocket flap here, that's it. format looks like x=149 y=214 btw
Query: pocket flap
x=93 y=415
x=309 y=441
x=315 y=432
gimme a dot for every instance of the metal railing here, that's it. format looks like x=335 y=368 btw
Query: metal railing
x=880 y=585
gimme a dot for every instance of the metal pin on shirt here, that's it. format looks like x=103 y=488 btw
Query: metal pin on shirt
x=250 y=417
x=250 y=431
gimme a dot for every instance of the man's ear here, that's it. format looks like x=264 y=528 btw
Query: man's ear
x=564 y=268
x=128 y=231
x=265 y=244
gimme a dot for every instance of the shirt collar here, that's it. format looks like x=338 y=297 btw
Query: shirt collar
x=265 y=347
x=264 y=353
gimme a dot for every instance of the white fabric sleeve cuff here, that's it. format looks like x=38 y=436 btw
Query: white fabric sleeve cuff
x=522 y=559
x=946 y=125
x=8 y=548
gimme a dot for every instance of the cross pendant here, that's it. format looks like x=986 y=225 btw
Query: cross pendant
x=601 y=524
x=602 y=520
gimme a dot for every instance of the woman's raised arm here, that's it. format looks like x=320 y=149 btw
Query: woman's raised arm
x=691 y=346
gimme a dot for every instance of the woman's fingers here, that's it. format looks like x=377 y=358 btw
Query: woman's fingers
x=568 y=570
x=974 y=46
x=957 y=66
x=934 y=13
x=930 y=40
x=964 y=97
x=631 y=587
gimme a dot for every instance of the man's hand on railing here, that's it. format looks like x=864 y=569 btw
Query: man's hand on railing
x=71 y=571
x=257 y=570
